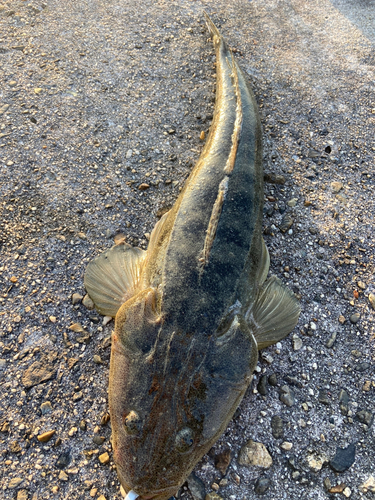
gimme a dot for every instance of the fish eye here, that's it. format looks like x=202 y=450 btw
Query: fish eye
x=184 y=439
x=132 y=423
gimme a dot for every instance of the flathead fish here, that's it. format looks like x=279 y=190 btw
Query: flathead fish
x=193 y=310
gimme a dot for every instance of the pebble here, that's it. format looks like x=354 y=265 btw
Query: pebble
x=262 y=385
x=213 y=496
x=222 y=461
x=371 y=298
x=297 y=343
x=77 y=327
x=336 y=186
x=76 y=298
x=327 y=483
x=63 y=460
x=342 y=199
x=277 y=426
x=365 y=417
x=287 y=396
x=266 y=356
x=253 y=453
x=88 y=303
x=292 y=202
x=272 y=178
x=105 y=419
x=362 y=367
x=286 y=445
x=23 y=495
x=323 y=397
x=104 y=458
x=14 y=447
x=344 y=401
x=46 y=436
x=343 y=459
x=261 y=485
x=63 y=476
x=342 y=319
x=272 y=379
x=99 y=440
x=338 y=488
x=315 y=460
x=286 y=223
x=354 y=318
x=331 y=340
x=143 y=186
x=106 y=320
x=366 y=386
x=39 y=371
x=368 y=485
x=15 y=482
x=46 y=407
x=196 y=487
x=102 y=497
x=97 y=359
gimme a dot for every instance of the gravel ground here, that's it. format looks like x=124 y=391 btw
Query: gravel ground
x=102 y=105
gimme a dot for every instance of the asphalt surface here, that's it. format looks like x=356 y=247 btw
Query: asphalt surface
x=98 y=98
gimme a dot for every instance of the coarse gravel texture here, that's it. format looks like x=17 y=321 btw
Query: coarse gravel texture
x=98 y=98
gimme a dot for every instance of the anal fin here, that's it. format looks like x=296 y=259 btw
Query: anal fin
x=274 y=313
x=112 y=277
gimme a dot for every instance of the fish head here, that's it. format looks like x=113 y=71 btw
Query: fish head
x=171 y=396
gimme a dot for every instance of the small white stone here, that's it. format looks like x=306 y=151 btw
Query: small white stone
x=286 y=445
x=347 y=492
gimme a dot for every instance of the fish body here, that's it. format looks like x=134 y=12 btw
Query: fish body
x=192 y=311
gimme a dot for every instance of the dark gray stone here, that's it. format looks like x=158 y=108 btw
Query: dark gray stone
x=344 y=401
x=343 y=459
x=287 y=396
x=63 y=460
x=196 y=487
x=262 y=484
x=323 y=397
x=365 y=417
x=277 y=426
x=262 y=385
x=286 y=223
x=272 y=379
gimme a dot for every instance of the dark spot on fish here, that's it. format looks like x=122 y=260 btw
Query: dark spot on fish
x=184 y=439
x=132 y=423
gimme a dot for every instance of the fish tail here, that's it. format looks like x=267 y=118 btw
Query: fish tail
x=211 y=27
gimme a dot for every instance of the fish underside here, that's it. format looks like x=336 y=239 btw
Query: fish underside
x=193 y=310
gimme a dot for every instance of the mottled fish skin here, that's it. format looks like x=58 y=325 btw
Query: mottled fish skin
x=184 y=382
x=185 y=344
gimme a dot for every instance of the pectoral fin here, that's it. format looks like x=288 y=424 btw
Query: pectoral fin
x=274 y=314
x=111 y=278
